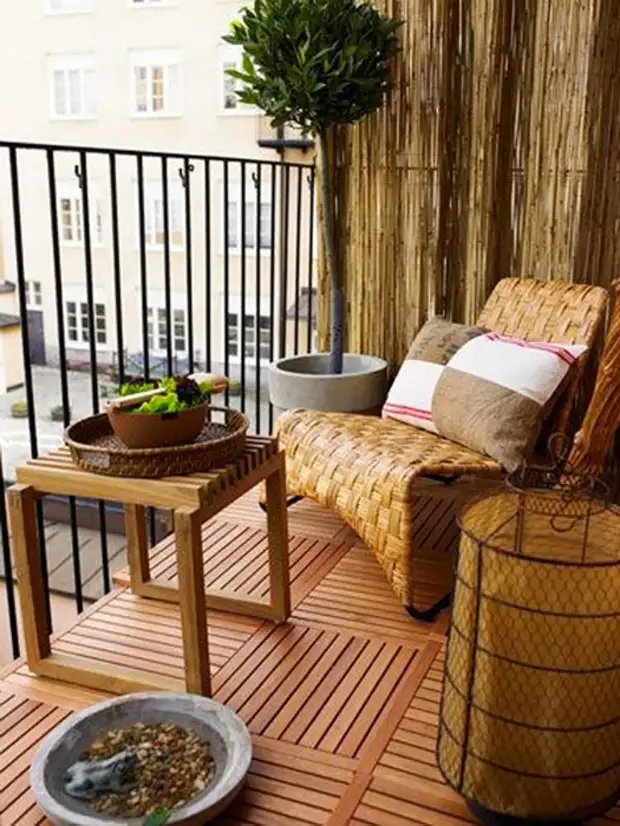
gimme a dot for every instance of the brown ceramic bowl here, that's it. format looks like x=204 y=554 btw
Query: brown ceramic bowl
x=144 y=430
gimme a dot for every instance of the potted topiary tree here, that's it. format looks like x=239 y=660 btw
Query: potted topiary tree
x=319 y=65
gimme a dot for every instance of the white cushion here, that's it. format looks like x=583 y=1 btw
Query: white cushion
x=411 y=394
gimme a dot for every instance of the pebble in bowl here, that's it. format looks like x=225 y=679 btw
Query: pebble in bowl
x=54 y=766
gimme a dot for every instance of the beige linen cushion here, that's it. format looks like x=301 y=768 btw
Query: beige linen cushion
x=439 y=340
x=411 y=393
x=493 y=394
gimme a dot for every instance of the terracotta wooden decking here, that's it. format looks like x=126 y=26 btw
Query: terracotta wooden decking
x=342 y=702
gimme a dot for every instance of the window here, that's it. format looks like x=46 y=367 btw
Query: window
x=157 y=328
x=254 y=333
x=156 y=83
x=78 y=325
x=235 y=222
x=72 y=86
x=154 y=216
x=34 y=296
x=70 y=217
x=69 y=5
x=230 y=58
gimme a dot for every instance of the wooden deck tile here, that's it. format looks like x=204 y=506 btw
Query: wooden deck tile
x=343 y=725
x=150 y=638
x=286 y=784
x=317 y=688
x=391 y=803
x=342 y=701
x=356 y=597
x=410 y=754
x=306 y=518
x=235 y=559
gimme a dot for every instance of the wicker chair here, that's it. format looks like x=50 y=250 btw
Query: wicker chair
x=370 y=470
x=601 y=423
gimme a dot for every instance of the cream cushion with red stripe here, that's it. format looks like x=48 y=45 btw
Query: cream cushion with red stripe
x=493 y=394
x=411 y=394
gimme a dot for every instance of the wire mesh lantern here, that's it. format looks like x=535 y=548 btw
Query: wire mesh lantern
x=530 y=716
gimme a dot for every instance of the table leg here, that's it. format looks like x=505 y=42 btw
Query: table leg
x=137 y=547
x=192 y=602
x=277 y=529
x=22 y=511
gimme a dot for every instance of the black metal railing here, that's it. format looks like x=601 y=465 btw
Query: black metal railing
x=117 y=261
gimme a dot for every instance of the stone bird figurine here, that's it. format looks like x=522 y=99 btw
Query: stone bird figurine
x=87 y=779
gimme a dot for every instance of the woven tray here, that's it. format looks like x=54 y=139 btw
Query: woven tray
x=94 y=447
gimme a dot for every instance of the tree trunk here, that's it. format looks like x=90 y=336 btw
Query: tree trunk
x=333 y=270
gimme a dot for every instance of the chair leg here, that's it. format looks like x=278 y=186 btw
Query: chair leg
x=429 y=614
x=292 y=500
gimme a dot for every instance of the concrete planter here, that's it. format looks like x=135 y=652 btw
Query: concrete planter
x=304 y=382
x=231 y=747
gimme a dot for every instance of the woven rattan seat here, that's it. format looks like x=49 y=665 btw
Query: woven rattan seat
x=368 y=469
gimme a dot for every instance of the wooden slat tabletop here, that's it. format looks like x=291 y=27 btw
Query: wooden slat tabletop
x=56 y=473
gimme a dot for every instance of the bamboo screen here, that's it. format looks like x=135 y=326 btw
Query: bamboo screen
x=497 y=154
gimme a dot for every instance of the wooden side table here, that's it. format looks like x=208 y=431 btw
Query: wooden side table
x=193 y=499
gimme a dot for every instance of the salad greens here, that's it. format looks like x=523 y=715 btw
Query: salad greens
x=182 y=393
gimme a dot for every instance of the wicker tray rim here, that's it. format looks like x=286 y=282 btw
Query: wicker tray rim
x=242 y=427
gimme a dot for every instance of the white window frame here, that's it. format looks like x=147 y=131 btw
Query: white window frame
x=90 y=6
x=234 y=197
x=84 y=64
x=228 y=56
x=234 y=308
x=163 y=59
x=157 y=323
x=154 y=216
x=71 y=191
x=76 y=295
x=34 y=295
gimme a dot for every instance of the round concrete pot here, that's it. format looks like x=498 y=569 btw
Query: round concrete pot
x=231 y=748
x=304 y=382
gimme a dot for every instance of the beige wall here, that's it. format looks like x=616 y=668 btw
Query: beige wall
x=28 y=36
x=11 y=344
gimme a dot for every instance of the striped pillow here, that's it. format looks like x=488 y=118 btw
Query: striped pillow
x=411 y=394
x=493 y=394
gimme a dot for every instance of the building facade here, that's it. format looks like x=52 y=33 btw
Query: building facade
x=204 y=251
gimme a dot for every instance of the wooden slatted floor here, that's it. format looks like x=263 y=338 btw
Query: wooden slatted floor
x=342 y=702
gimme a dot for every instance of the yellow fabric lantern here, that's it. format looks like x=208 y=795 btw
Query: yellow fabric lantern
x=530 y=717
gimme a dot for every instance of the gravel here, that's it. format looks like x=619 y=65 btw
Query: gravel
x=172 y=766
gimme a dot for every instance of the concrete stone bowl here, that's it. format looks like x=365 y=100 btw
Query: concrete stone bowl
x=231 y=748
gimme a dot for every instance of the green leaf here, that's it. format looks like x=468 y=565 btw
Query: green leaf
x=129 y=388
x=169 y=384
x=162 y=404
x=158 y=818
x=314 y=63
